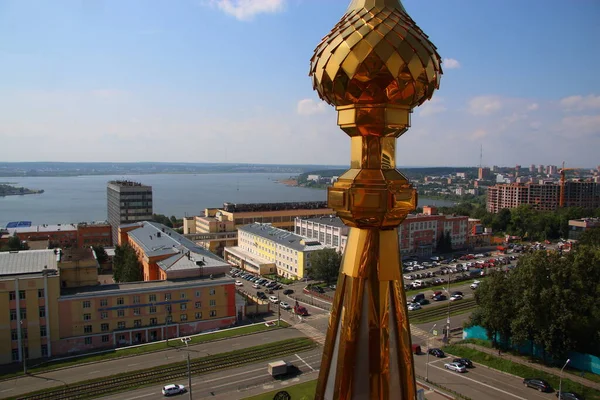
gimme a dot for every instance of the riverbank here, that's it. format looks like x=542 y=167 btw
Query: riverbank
x=9 y=190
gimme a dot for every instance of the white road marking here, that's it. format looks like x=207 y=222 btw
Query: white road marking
x=133 y=365
x=305 y=363
x=241 y=380
x=480 y=383
x=7 y=390
x=231 y=376
x=93 y=372
x=140 y=396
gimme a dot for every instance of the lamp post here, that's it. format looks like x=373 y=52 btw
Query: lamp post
x=427 y=364
x=23 y=350
x=560 y=379
x=186 y=341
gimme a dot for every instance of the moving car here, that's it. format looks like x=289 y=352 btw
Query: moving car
x=569 y=396
x=437 y=352
x=284 y=305
x=299 y=310
x=455 y=367
x=475 y=284
x=170 y=390
x=414 y=306
x=464 y=361
x=288 y=291
x=537 y=383
x=436 y=293
x=455 y=297
x=440 y=297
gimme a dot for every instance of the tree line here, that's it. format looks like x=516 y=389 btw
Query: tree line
x=550 y=299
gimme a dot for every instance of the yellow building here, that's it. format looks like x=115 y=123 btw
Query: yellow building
x=78 y=267
x=265 y=249
x=217 y=228
x=30 y=286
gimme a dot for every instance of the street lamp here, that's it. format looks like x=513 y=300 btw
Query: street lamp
x=23 y=349
x=560 y=379
x=427 y=364
x=186 y=341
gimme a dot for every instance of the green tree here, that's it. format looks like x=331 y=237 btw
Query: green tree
x=590 y=237
x=14 y=244
x=100 y=254
x=501 y=221
x=162 y=219
x=126 y=265
x=325 y=265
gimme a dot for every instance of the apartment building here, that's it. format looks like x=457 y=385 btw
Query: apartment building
x=217 y=228
x=328 y=230
x=265 y=249
x=127 y=202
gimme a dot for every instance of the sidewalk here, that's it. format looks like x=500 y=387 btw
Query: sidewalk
x=522 y=361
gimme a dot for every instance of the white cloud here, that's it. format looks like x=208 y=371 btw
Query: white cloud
x=533 y=107
x=581 y=126
x=450 y=63
x=432 y=107
x=479 y=134
x=580 y=102
x=484 y=105
x=310 y=107
x=245 y=10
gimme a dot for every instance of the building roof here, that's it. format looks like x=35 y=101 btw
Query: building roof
x=253 y=207
x=326 y=220
x=283 y=237
x=43 y=228
x=26 y=262
x=159 y=240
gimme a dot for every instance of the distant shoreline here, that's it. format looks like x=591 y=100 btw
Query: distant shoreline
x=9 y=190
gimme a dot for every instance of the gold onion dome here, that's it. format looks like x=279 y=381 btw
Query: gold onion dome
x=376 y=54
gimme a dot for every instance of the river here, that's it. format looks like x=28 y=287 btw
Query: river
x=83 y=198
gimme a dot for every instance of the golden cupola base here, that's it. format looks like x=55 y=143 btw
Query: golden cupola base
x=375 y=66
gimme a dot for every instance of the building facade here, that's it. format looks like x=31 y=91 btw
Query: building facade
x=217 y=228
x=578 y=226
x=127 y=202
x=265 y=249
x=328 y=230
x=66 y=235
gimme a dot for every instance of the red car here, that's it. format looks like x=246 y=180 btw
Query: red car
x=301 y=311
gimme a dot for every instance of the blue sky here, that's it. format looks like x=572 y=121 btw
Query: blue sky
x=226 y=81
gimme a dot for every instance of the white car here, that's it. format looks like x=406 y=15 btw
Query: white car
x=273 y=299
x=456 y=297
x=414 y=306
x=256 y=286
x=475 y=284
x=239 y=283
x=455 y=367
x=284 y=305
x=170 y=390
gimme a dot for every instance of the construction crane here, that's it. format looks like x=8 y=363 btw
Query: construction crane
x=561 y=201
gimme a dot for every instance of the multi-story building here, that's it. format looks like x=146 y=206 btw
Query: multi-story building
x=94 y=234
x=66 y=235
x=541 y=169
x=328 y=230
x=265 y=249
x=78 y=267
x=543 y=197
x=127 y=202
x=217 y=228
x=578 y=226
x=483 y=173
x=29 y=319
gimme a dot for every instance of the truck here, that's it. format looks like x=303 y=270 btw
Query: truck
x=277 y=368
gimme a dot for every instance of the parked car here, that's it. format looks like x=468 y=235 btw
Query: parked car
x=288 y=291
x=455 y=367
x=464 y=361
x=440 y=297
x=414 y=306
x=418 y=297
x=569 y=396
x=261 y=295
x=437 y=352
x=256 y=286
x=170 y=390
x=239 y=283
x=273 y=299
x=537 y=383
x=423 y=302
x=284 y=305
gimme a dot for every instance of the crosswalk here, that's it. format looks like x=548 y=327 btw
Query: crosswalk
x=311 y=332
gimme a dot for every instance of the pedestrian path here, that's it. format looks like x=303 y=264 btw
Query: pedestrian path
x=420 y=333
x=311 y=332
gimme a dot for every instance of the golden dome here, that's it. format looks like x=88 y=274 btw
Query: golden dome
x=376 y=54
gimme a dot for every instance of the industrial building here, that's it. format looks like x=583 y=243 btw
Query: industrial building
x=127 y=202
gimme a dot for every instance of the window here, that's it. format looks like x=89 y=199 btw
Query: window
x=152 y=298
x=12 y=296
x=120 y=313
x=88 y=340
x=136 y=311
x=137 y=323
x=167 y=296
x=152 y=309
x=211 y=292
x=43 y=331
x=136 y=299
x=183 y=306
x=104 y=327
x=183 y=317
x=87 y=304
x=198 y=293
x=13 y=314
x=182 y=295
x=87 y=329
x=153 y=321
x=15 y=355
x=23 y=313
x=168 y=308
x=24 y=333
x=213 y=303
x=104 y=315
x=213 y=313
x=198 y=315
x=120 y=301
x=44 y=350
x=14 y=334
x=121 y=325
x=198 y=304
x=42 y=312
x=105 y=339
x=103 y=303
x=169 y=319
x=21 y=295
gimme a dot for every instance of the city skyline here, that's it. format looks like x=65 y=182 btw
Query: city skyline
x=227 y=81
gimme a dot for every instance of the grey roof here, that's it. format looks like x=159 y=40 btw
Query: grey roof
x=283 y=237
x=325 y=220
x=159 y=240
x=43 y=228
x=27 y=262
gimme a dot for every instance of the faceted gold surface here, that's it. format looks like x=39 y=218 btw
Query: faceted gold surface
x=375 y=66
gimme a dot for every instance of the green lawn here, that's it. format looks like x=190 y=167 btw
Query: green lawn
x=523 y=371
x=301 y=391
x=174 y=343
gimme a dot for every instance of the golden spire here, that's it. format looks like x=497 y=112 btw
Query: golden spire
x=375 y=66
